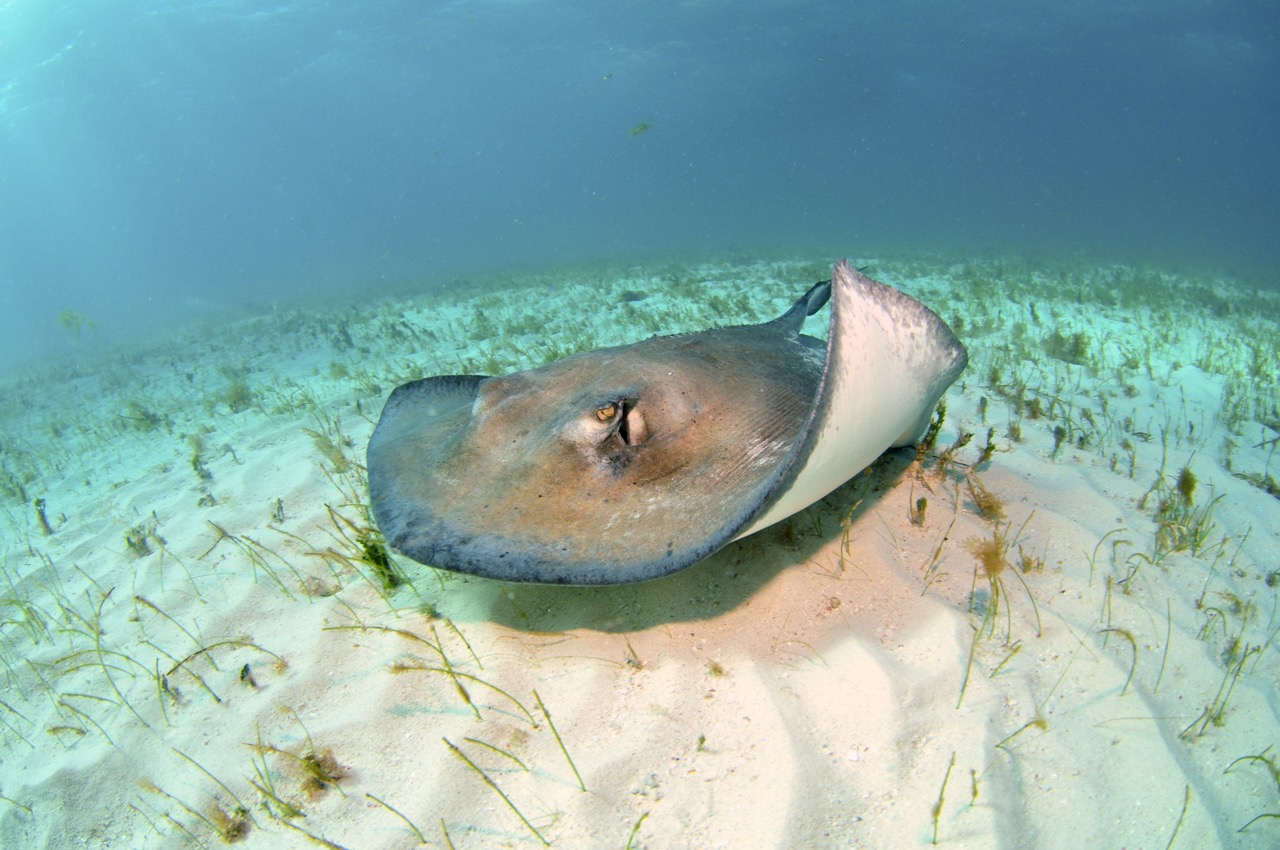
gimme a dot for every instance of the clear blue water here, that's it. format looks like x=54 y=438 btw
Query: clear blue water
x=160 y=158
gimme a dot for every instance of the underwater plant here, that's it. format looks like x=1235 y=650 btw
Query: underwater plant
x=1214 y=713
x=361 y=543
x=991 y=562
x=946 y=459
x=936 y=812
x=332 y=444
x=989 y=504
x=143 y=418
x=228 y=826
x=917 y=511
x=1181 y=526
x=989 y=450
x=75 y=322
x=496 y=789
x=237 y=395
x=1073 y=348
x=42 y=518
x=196 y=442
x=1133 y=645
x=1273 y=770
x=560 y=741
x=316 y=770
x=412 y=826
x=137 y=539
x=930 y=438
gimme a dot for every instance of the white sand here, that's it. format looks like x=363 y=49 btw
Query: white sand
x=800 y=689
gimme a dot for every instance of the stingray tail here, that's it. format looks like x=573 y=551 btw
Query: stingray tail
x=811 y=302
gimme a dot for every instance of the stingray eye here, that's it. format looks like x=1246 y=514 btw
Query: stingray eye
x=607 y=412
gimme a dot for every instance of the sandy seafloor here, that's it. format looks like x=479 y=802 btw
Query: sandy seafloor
x=198 y=643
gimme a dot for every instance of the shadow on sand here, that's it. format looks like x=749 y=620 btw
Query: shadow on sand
x=724 y=581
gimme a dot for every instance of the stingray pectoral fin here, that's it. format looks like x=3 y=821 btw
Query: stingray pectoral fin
x=889 y=359
x=429 y=397
x=407 y=439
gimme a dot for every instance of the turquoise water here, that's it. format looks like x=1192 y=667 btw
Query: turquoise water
x=230 y=229
x=162 y=159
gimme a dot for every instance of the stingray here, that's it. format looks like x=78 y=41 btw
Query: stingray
x=630 y=463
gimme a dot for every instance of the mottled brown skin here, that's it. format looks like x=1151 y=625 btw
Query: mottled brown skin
x=630 y=463
x=607 y=460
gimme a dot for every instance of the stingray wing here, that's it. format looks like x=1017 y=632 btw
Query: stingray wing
x=529 y=477
x=889 y=359
x=630 y=463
